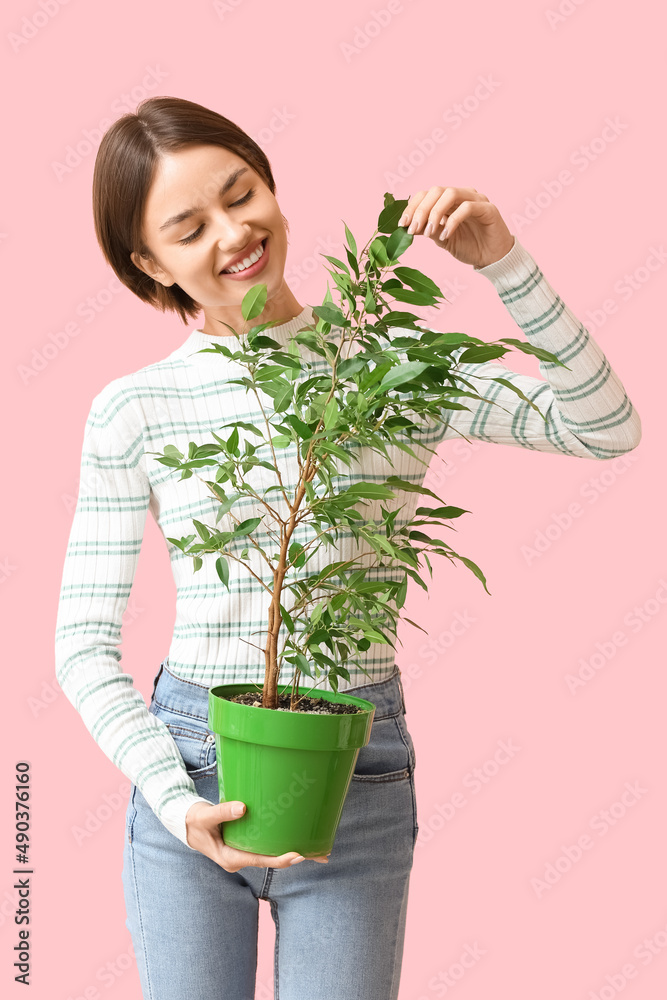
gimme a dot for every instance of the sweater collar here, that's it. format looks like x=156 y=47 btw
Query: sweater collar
x=281 y=333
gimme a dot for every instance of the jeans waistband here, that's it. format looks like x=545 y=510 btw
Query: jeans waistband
x=191 y=698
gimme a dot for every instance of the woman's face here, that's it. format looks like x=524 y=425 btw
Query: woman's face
x=207 y=208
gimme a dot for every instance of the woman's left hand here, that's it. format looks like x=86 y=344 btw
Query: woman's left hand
x=476 y=231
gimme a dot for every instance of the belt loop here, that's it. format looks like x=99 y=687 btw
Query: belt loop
x=157 y=679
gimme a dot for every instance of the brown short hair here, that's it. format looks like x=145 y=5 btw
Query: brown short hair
x=124 y=168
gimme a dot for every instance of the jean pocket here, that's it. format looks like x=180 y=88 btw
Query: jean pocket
x=195 y=743
x=389 y=754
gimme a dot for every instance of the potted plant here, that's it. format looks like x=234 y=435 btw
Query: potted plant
x=347 y=382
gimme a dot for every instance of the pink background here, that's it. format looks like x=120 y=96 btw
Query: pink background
x=341 y=96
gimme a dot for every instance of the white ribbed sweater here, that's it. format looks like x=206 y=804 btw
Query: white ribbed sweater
x=182 y=399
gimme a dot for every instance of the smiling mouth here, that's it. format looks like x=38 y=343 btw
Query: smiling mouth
x=238 y=268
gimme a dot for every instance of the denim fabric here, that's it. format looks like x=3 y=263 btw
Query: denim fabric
x=339 y=927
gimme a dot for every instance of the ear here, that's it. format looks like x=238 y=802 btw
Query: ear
x=153 y=270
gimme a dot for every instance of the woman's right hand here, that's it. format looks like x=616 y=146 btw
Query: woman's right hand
x=204 y=835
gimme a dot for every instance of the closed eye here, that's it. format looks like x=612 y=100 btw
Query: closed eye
x=197 y=233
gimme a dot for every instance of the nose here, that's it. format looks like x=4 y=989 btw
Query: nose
x=232 y=237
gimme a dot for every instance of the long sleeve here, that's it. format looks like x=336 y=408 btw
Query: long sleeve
x=100 y=563
x=588 y=411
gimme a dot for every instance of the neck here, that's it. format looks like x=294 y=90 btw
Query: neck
x=279 y=308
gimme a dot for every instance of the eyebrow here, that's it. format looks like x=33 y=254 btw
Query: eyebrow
x=229 y=183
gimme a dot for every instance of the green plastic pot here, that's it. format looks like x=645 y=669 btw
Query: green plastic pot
x=292 y=769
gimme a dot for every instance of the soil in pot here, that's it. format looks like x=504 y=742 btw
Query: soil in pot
x=317 y=706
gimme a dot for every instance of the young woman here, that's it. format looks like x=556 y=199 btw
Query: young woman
x=186 y=215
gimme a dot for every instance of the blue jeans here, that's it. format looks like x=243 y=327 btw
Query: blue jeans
x=339 y=927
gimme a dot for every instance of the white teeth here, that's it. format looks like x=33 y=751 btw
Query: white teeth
x=246 y=262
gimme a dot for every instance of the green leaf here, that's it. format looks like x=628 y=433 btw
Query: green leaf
x=410 y=621
x=370 y=491
x=400 y=374
x=337 y=602
x=395 y=318
x=539 y=352
x=476 y=570
x=233 y=442
x=302 y=429
x=297 y=555
x=253 y=302
x=377 y=248
x=441 y=512
x=330 y=413
x=330 y=313
x=477 y=355
x=398 y=243
x=350 y=240
x=222 y=567
x=352 y=260
x=520 y=394
x=417 y=280
x=245 y=527
x=350 y=366
x=401 y=593
x=409 y=487
x=337 y=263
x=202 y=530
x=391 y=213
x=414 y=298
x=283 y=398
x=287 y=618
x=245 y=426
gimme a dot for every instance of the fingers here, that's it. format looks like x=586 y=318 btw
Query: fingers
x=233 y=859
x=466 y=210
x=429 y=211
x=208 y=819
